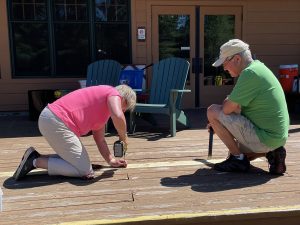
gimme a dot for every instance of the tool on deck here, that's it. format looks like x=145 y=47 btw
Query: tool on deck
x=119 y=149
x=210 y=144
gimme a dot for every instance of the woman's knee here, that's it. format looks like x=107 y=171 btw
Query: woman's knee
x=213 y=112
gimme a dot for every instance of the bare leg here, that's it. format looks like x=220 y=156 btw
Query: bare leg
x=225 y=136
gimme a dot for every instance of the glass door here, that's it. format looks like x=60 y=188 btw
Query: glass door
x=196 y=34
x=172 y=35
x=217 y=26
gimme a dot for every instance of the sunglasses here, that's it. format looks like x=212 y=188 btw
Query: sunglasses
x=227 y=60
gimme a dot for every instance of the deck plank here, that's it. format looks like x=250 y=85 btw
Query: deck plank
x=166 y=178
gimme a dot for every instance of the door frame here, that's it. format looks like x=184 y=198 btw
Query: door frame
x=188 y=98
x=201 y=95
x=217 y=93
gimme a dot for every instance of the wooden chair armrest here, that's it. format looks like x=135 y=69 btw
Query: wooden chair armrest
x=177 y=90
x=174 y=94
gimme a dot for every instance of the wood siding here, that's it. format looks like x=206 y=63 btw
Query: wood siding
x=273 y=30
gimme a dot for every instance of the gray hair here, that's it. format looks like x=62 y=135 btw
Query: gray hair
x=128 y=94
x=246 y=55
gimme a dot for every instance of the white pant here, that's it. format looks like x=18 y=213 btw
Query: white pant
x=72 y=158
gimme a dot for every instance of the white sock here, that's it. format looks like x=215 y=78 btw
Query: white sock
x=34 y=163
x=240 y=156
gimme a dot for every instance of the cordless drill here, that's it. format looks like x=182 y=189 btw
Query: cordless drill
x=120 y=149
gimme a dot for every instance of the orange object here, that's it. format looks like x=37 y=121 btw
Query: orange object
x=286 y=76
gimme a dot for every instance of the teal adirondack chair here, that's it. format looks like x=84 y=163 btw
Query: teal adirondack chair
x=106 y=72
x=168 y=82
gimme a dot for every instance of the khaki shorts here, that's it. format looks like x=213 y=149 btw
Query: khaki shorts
x=243 y=131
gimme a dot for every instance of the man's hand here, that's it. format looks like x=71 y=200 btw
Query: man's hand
x=118 y=162
x=209 y=128
x=231 y=107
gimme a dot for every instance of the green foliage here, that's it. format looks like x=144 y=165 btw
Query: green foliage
x=174 y=32
x=218 y=30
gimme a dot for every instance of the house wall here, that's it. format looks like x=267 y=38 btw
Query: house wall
x=273 y=30
x=271 y=27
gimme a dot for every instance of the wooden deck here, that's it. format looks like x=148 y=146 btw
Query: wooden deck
x=168 y=181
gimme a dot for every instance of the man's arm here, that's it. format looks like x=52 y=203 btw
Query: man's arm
x=230 y=107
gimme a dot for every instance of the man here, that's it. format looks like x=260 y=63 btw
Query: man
x=253 y=120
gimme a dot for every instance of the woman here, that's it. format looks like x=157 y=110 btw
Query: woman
x=73 y=115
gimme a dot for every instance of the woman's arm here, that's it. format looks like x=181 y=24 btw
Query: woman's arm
x=99 y=137
x=117 y=116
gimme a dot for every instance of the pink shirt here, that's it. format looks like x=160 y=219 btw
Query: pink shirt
x=85 y=109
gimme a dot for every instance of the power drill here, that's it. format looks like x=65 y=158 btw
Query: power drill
x=120 y=149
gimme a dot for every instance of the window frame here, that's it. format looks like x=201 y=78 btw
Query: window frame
x=51 y=45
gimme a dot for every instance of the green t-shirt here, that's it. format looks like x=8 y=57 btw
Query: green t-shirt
x=263 y=102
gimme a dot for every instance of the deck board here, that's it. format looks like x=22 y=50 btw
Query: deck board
x=168 y=181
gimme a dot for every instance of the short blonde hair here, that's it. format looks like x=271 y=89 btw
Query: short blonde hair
x=128 y=94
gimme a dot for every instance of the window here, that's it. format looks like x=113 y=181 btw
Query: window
x=174 y=37
x=112 y=28
x=71 y=36
x=217 y=30
x=59 y=38
x=29 y=30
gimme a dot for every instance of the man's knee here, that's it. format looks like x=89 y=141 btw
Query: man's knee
x=213 y=112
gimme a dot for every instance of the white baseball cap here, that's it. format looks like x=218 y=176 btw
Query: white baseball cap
x=230 y=48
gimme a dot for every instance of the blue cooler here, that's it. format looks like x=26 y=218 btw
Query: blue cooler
x=133 y=78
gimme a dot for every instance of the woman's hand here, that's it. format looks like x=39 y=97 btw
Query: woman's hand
x=125 y=141
x=118 y=162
